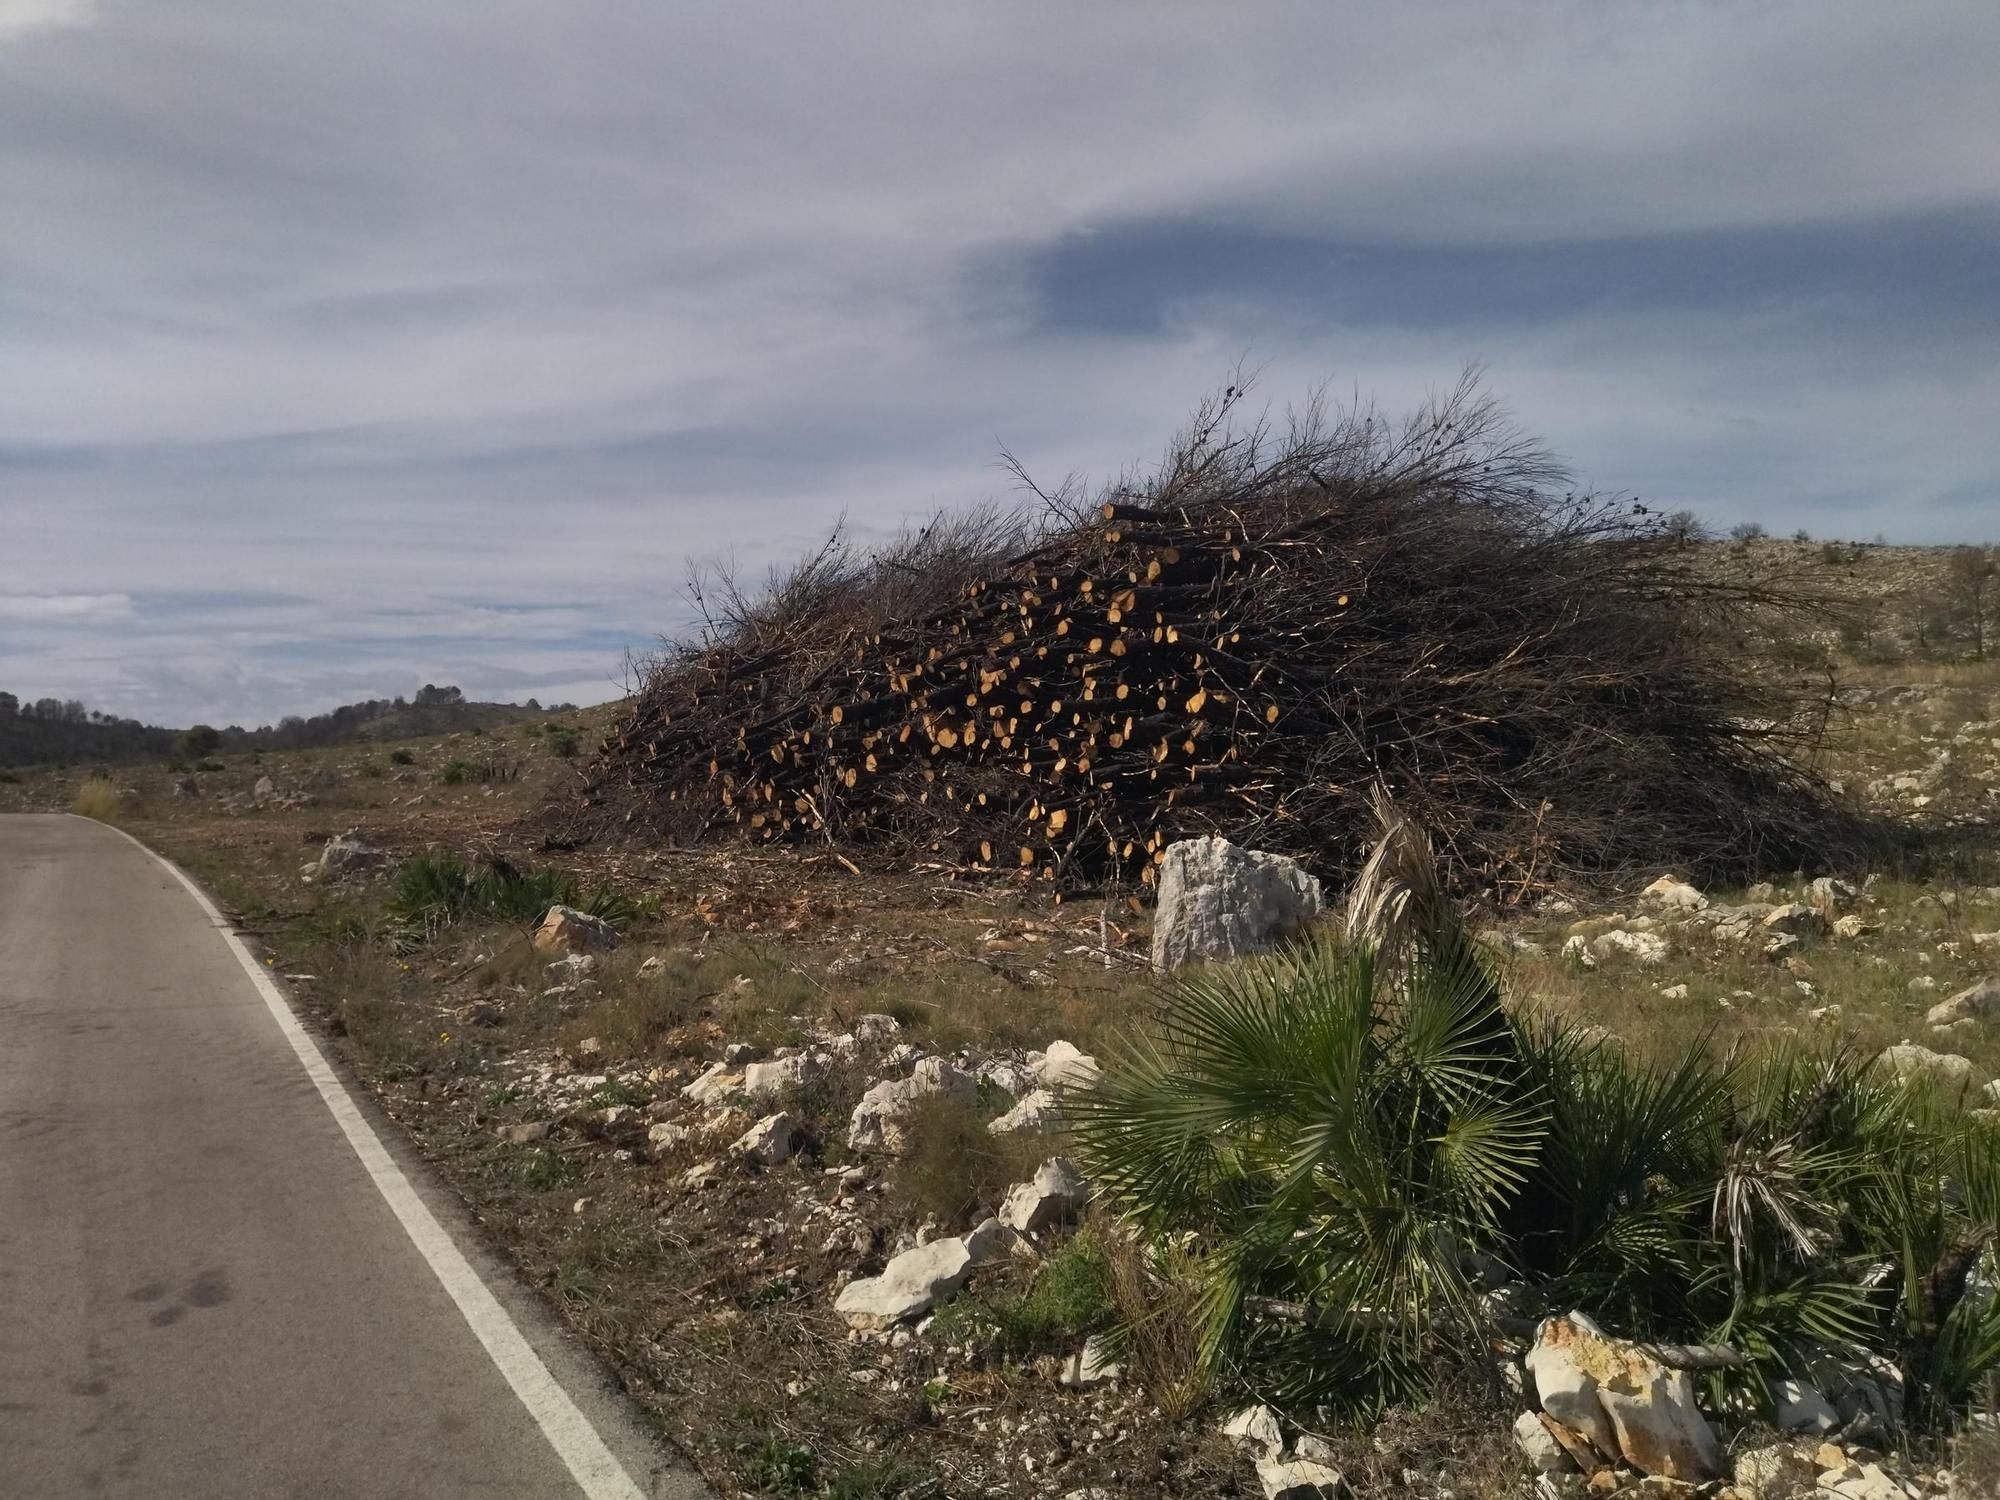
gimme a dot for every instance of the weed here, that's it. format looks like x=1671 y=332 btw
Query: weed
x=96 y=798
x=955 y=1166
x=458 y=771
x=1158 y=1297
x=1071 y=1296
x=871 y=1479
x=614 y=1092
x=400 y=757
x=545 y=1169
x=437 y=888
x=1329 y=1125
x=564 y=744
x=783 y=1467
x=501 y=1095
x=777 y=1289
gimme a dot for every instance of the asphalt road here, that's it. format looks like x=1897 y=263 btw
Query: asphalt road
x=206 y=1291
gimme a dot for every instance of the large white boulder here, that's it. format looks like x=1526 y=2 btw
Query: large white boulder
x=912 y=1283
x=1641 y=947
x=349 y=854
x=1539 y=1446
x=564 y=929
x=718 y=1080
x=1299 y=1479
x=1908 y=1060
x=1036 y=1112
x=770 y=1141
x=1801 y=1408
x=762 y=1080
x=1671 y=893
x=1055 y=1193
x=1257 y=1428
x=1219 y=901
x=1065 y=1066
x=1976 y=1002
x=877 y=1121
x=1626 y=1402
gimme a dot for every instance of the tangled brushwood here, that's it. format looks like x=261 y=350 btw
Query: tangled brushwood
x=1242 y=644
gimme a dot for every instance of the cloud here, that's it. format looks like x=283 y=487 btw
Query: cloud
x=65 y=606
x=370 y=344
x=20 y=17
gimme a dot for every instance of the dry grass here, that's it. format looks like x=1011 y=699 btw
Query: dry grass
x=98 y=799
x=956 y=1171
x=1157 y=1309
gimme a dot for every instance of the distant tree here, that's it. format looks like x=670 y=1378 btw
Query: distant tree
x=1972 y=587
x=1802 y=535
x=200 y=740
x=429 y=696
x=9 y=705
x=1684 y=528
x=1743 y=533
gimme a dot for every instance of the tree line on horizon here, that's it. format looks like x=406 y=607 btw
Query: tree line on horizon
x=55 y=730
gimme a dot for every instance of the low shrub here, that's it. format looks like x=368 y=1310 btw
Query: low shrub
x=436 y=888
x=96 y=798
x=401 y=758
x=955 y=1167
x=458 y=771
x=1070 y=1297
x=1355 y=1146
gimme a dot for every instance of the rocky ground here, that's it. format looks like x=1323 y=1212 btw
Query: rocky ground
x=788 y=1151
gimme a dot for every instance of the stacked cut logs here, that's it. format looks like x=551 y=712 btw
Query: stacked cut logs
x=1066 y=718
x=1534 y=683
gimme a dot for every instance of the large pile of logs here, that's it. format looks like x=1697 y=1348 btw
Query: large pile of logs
x=1246 y=662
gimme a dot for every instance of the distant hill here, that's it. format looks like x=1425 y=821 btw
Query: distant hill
x=51 y=730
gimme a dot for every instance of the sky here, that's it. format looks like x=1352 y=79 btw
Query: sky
x=345 y=347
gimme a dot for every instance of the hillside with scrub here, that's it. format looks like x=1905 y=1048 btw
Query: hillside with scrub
x=1575 y=1075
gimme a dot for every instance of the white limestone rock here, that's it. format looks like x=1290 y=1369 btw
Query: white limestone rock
x=1671 y=893
x=770 y=1141
x=914 y=1282
x=1257 y=1428
x=1218 y=901
x=1055 y=1194
x=564 y=929
x=876 y=1124
x=1976 y=1002
x=1908 y=1060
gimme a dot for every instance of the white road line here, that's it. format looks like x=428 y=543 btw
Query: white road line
x=569 y=1432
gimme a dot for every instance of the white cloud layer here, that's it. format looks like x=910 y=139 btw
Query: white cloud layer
x=65 y=606
x=20 y=17
x=443 y=333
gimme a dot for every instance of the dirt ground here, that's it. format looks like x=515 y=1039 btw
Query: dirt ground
x=709 y=1281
